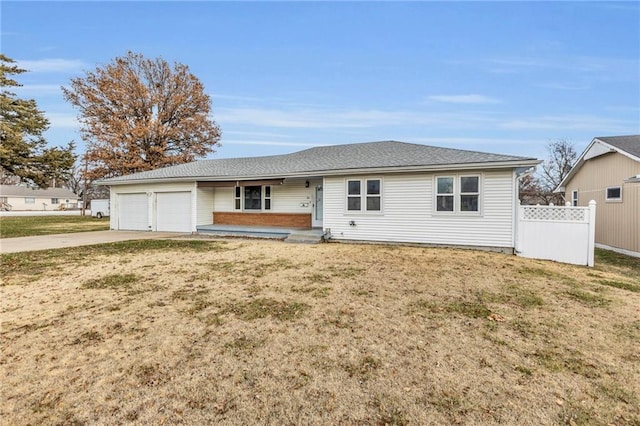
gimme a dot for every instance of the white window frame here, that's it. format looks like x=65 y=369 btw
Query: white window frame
x=451 y=194
x=267 y=206
x=55 y=201
x=461 y=194
x=574 y=198
x=29 y=200
x=237 y=198
x=611 y=199
x=364 y=195
x=457 y=194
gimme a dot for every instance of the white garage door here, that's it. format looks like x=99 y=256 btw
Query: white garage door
x=173 y=211
x=133 y=212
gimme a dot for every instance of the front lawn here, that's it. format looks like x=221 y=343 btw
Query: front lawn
x=25 y=226
x=263 y=332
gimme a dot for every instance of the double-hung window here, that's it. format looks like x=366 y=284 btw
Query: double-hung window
x=458 y=194
x=444 y=194
x=237 y=198
x=354 y=195
x=574 y=198
x=364 y=195
x=55 y=201
x=469 y=193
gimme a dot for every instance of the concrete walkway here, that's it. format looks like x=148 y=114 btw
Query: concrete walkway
x=46 y=242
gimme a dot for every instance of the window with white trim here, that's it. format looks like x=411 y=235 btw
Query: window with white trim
x=444 y=194
x=237 y=204
x=458 y=194
x=354 y=195
x=267 y=197
x=373 y=195
x=574 y=198
x=364 y=195
x=252 y=198
x=614 y=193
x=29 y=200
x=469 y=193
x=55 y=201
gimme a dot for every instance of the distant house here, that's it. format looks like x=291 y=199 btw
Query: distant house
x=378 y=191
x=608 y=171
x=14 y=197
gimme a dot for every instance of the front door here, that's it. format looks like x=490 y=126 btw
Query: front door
x=317 y=207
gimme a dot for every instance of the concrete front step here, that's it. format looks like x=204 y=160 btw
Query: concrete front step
x=305 y=238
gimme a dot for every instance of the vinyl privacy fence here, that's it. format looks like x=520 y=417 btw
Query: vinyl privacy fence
x=561 y=233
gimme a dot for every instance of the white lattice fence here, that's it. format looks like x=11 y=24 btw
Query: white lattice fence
x=564 y=234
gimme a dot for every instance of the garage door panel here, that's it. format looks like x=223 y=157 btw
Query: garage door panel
x=133 y=212
x=173 y=211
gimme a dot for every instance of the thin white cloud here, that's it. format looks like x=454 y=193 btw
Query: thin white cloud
x=268 y=143
x=63 y=120
x=464 y=99
x=52 y=65
x=457 y=141
x=565 y=86
x=572 y=122
x=609 y=67
x=341 y=119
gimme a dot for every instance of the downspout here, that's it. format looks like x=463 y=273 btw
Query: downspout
x=519 y=174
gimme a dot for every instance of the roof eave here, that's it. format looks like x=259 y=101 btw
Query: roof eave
x=529 y=162
x=578 y=164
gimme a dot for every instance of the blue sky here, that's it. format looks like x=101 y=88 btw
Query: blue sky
x=504 y=77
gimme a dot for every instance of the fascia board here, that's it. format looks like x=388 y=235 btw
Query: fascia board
x=337 y=172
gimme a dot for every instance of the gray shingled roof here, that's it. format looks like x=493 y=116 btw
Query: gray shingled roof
x=23 y=191
x=319 y=160
x=630 y=144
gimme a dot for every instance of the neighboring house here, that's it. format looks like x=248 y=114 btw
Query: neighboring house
x=24 y=198
x=378 y=191
x=608 y=171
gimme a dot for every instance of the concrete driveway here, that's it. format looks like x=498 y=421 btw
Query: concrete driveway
x=46 y=242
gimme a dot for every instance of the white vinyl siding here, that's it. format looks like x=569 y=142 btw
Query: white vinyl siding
x=408 y=212
x=204 y=206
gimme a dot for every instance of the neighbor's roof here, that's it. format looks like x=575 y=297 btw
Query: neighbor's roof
x=329 y=160
x=23 y=191
x=629 y=146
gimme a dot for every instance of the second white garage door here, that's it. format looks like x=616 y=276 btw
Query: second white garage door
x=133 y=212
x=173 y=211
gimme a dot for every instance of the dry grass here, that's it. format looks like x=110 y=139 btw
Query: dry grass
x=245 y=332
x=25 y=226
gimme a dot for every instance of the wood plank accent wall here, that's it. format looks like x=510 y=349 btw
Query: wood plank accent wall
x=285 y=220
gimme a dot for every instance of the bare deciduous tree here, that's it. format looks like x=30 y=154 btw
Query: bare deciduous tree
x=539 y=188
x=139 y=114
